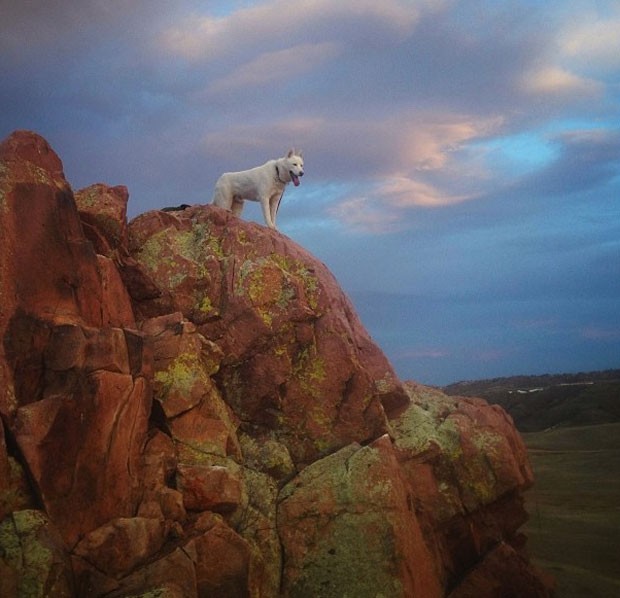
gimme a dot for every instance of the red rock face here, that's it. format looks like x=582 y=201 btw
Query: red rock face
x=191 y=406
x=297 y=364
x=73 y=389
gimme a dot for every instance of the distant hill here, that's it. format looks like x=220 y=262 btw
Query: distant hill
x=541 y=402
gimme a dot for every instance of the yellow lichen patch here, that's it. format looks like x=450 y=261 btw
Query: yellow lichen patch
x=280 y=351
x=183 y=384
x=176 y=279
x=266 y=316
x=309 y=369
x=22 y=536
x=182 y=252
x=385 y=384
x=309 y=280
x=242 y=237
x=206 y=306
x=198 y=244
x=259 y=280
x=319 y=420
x=40 y=175
x=90 y=197
x=153 y=250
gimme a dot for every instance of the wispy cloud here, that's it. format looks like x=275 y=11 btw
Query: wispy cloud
x=364 y=214
x=275 y=24
x=593 y=42
x=554 y=80
x=279 y=66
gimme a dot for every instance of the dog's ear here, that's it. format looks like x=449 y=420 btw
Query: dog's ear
x=291 y=153
x=301 y=154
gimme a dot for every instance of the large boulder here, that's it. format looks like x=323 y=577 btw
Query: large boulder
x=347 y=529
x=466 y=468
x=297 y=366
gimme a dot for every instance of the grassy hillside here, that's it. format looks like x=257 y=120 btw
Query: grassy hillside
x=541 y=402
x=574 y=527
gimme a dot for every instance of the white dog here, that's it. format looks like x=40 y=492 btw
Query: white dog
x=264 y=183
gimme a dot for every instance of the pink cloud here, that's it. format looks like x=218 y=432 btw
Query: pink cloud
x=269 y=67
x=365 y=215
x=553 y=80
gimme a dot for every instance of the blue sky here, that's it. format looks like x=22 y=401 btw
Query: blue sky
x=462 y=157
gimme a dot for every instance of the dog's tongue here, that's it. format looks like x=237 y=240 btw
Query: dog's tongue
x=295 y=180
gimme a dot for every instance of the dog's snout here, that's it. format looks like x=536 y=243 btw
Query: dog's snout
x=301 y=173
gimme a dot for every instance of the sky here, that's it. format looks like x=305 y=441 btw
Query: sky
x=462 y=157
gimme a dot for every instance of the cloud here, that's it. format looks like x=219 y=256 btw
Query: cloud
x=275 y=24
x=386 y=146
x=384 y=208
x=585 y=160
x=553 y=80
x=48 y=30
x=365 y=214
x=275 y=67
x=593 y=43
x=403 y=193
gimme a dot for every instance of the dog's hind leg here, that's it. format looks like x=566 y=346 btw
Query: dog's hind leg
x=237 y=206
x=221 y=198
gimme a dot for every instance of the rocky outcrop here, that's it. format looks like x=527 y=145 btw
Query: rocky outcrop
x=191 y=407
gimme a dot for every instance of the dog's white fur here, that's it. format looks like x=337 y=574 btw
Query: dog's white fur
x=264 y=183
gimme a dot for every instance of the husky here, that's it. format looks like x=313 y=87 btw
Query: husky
x=264 y=183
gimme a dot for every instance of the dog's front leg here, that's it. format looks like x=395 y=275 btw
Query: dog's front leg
x=264 y=202
x=274 y=204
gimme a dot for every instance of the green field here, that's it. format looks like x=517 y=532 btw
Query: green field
x=574 y=506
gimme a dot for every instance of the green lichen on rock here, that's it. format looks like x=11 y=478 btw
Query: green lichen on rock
x=16 y=495
x=89 y=197
x=267 y=455
x=310 y=370
x=465 y=452
x=29 y=550
x=206 y=306
x=154 y=252
x=351 y=563
x=181 y=376
x=178 y=250
x=198 y=244
x=40 y=175
x=426 y=422
x=275 y=281
x=251 y=281
x=300 y=270
x=340 y=521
